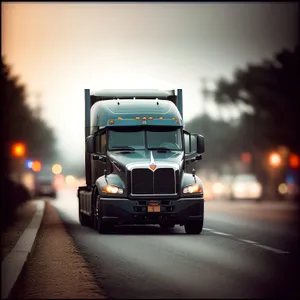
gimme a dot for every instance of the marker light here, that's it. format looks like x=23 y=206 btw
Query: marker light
x=160 y=118
x=144 y=118
x=193 y=188
x=111 y=189
x=119 y=118
x=152 y=167
x=150 y=118
x=111 y=122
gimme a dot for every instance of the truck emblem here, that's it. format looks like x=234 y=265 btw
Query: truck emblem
x=152 y=164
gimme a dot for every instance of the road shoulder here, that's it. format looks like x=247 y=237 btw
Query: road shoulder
x=56 y=269
x=12 y=234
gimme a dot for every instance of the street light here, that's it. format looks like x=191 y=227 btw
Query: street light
x=18 y=150
x=56 y=169
x=275 y=160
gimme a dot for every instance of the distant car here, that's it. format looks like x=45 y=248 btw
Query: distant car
x=246 y=186
x=222 y=187
x=44 y=186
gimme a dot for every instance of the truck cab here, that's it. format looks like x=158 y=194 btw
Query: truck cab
x=137 y=162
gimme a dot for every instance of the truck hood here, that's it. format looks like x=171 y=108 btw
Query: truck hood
x=146 y=157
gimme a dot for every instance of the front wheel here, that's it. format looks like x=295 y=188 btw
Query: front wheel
x=194 y=227
x=84 y=219
x=102 y=227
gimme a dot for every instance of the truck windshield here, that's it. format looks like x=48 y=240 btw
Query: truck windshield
x=168 y=139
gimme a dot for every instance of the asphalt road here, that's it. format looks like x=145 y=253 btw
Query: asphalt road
x=233 y=257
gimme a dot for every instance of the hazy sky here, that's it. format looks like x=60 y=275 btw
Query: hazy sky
x=59 y=49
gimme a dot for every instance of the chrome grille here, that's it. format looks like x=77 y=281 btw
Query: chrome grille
x=159 y=182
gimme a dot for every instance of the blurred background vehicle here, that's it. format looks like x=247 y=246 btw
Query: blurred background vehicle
x=222 y=188
x=246 y=186
x=44 y=184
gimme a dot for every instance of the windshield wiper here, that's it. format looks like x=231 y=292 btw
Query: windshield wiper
x=123 y=148
x=160 y=148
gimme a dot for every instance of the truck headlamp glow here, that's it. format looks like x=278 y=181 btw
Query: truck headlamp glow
x=193 y=188
x=111 y=189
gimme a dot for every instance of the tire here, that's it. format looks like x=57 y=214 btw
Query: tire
x=95 y=211
x=194 y=227
x=102 y=227
x=83 y=218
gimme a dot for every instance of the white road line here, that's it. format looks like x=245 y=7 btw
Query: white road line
x=222 y=233
x=208 y=229
x=272 y=249
x=278 y=251
x=248 y=241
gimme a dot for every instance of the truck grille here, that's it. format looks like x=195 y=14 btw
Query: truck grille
x=145 y=181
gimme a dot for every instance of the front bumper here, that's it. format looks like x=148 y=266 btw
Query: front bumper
x=125 y=211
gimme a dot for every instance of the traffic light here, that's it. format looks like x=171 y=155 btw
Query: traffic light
x=18 y=150
x=294 y=161
x=36 y=166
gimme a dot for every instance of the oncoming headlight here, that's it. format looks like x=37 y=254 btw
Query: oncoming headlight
x=193 y=188
x=112 y=189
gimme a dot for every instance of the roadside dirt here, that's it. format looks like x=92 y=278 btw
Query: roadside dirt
x=56 y=270
x=11 y=235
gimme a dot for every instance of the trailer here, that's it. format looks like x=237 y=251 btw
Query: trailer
x=137 y=161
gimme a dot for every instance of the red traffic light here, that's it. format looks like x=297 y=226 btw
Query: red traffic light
x=18 y=150
x=294 y=161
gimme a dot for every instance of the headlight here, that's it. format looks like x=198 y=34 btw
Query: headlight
x=112 y=189
x=193 y=188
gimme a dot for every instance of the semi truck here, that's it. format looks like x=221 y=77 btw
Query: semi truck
x=138 y=162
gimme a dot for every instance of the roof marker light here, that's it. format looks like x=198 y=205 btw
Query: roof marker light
x=137 y=118
x=144 y=118
x=150 y=118
x=160 y=118
x=119 y=118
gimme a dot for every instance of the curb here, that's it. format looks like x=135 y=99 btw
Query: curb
x=13 y=264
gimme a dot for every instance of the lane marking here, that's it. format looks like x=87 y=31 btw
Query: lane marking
x=248 y=241
x=222 y=233
x=278 y=251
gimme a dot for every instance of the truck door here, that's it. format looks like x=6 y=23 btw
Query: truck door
x=98 y=165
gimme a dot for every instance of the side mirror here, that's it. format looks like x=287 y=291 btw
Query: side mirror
x=200 y=144
x=89 y=144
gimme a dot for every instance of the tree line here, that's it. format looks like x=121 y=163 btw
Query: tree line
x=22 y=124
x=271 y=89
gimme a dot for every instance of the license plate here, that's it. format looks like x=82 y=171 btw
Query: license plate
x=153 y=208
